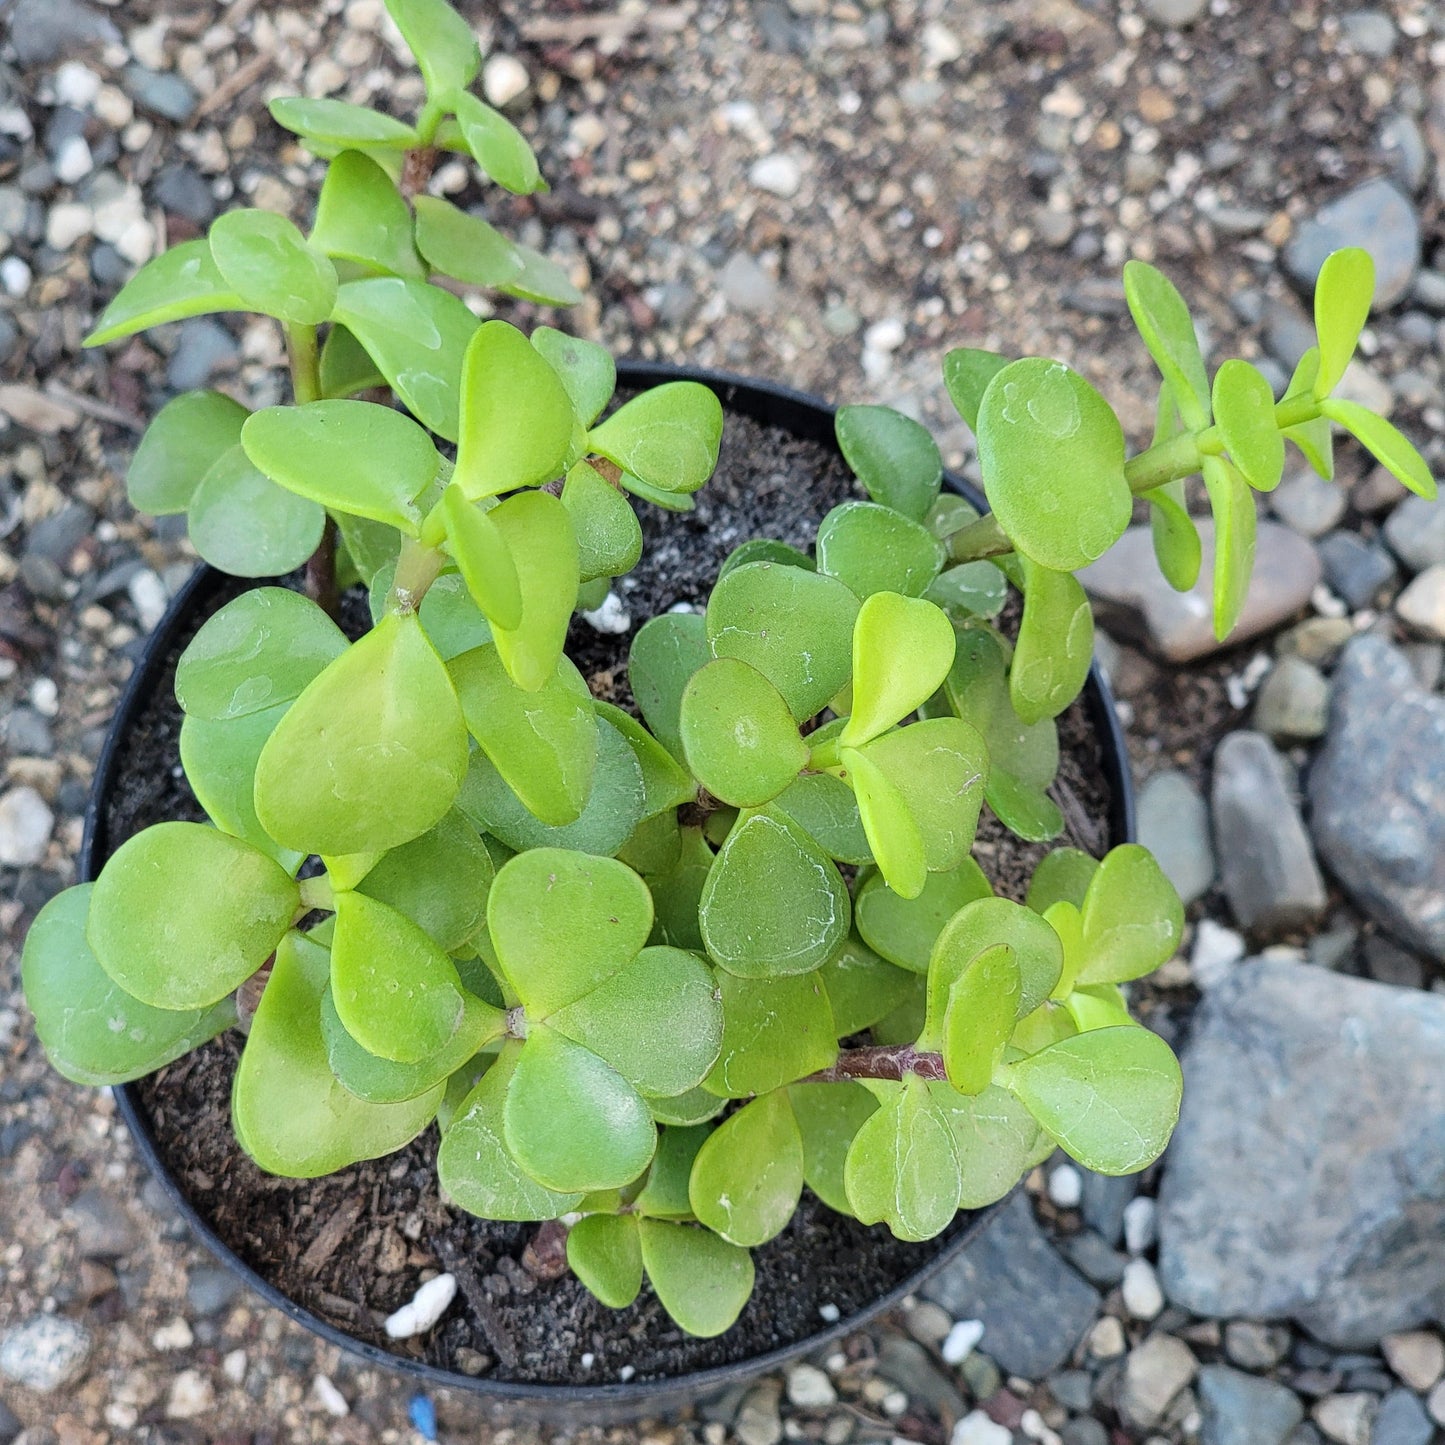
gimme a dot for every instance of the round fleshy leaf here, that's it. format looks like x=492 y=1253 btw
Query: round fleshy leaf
x=498 y=146
x=188 y=436
x=290 y=1113
x=665 y=785
x=345 y=366
x=571 y=1120
x=373 y=752
x=257 y=651
x=795 y=627
x=450 y=617
x=826 y=809
x=1098 y=1006
x=668 y=436
x=537 y=531
x=1055 y=646
x=665 y=653
x=605 y=1253
x=1133 y=919
x=664 y=1196
x=1235 y=526
x=609 y=536
x=748 y=1176
x=483 y=558
x=586 y=369
x=1176 y=537
x=181 y=282
x=902 y=1168
x=892 y=455
x=677 y=892
x=1052 y=454
x=967 y=373
x=979 y=1018
x=417 y=334
x=243 y=523
x=902 y=650
x=395 y=990
x=695 y=1107
x=1109 y=1098
x=1386 y=443
x=895 y=838
x=563 y=923
x=362 y=218
x=1344 y=290
x=875 y=549
x=93 y=1031
x=1244 y=414
x=441 y=40
x=829 y=1117
x=464 y=246
x=862 y=987
x=995 y=1137
x=739 y=738
x=903 y=930
x=765 y=549
x=974 y=589
x=1063 y=876
x=775 y=1031
x=182 y=914
x=265 y=260
x=351 y=456
x=340 y=123
x=702 y=1281
x=1164 y=322
x=774 y=902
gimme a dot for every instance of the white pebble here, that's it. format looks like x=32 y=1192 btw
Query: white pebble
x=25 y=826
x=66 y=224
x=176 y=1335
x=1216 y=950
x=611 y=617
x=45 y=696
x=233 y=1367
x=810 y=1389
x=626 y=1373
x=1066 y=1186
x=76 y=86
x=15 y=276
x=329 y=1397
x=894 y=1404
x=427 y=1306
x=961 y=1341
x=1140 y=1288
x=780 y=175
x=886 y=335
x=1034 y=1426
x=1139 y=1215
x=73 y=160
x=504 y=79
x=148 y=595
x=977 y=1429
x=829 y=1314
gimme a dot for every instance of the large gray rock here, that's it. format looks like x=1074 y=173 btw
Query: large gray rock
x=1267 y=867
x=1240 y=1409
x=1377 y=793
x=1378 y=216
x=1133 y=600
x=1034 y=1308
x=1306 y=1179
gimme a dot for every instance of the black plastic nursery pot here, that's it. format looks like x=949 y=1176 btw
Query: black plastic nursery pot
x=806 y=419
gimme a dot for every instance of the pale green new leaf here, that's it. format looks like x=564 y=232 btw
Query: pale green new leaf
x=188 y=436
x=979 y=1017
x=1385 y=442
x=1343 y=292
x=537 y=531
x=668 y=436
x=181 y=282
x=902 y=650
x=480 y=551
x=1055 y=646
x=586 y=369
x=1163 y=319
x=748 y=1176
x=243 y=523
x=1133 y=919
x=967 y=373
x=1176 y=538
x=775 y=1031
x=895 y=838
x=738 y=736
x=1244 y=414
x=265 y=260
x=873 y=548
x=441 y=40
x=498 y=146
x=361 y=218
x=340 y=123
x=892 y=455
x=1235 y=525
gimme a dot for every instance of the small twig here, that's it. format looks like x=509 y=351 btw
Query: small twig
x=891 y=1061
x=100 y=410
x=420 y=163
x=499 y=1337
x=239 y=80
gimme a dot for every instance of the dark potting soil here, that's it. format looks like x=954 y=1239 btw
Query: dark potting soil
x=353 y=1246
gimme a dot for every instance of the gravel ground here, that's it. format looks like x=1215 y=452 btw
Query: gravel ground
x=824 y=192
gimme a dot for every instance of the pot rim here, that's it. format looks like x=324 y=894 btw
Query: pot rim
x=804 y=416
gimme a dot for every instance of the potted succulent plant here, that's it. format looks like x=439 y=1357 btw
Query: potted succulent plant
x=650 y=973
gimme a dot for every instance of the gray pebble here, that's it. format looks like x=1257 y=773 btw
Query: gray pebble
x=43 y=31
x=205 y=347
x=211 y=1289
x=1402 y=1421
x=103 y=1229
x=1293 y=702
x=45 y=1353
x=745 y=284
x=57 y=537
x=1175 y=12
x=1174 y=826
x=1415 y=531
x=1359 y=572
x=1376 y=215
x=160 y=92
x=27 y=734
x=1370 y=32
x=1308 y=503
x=185 y=192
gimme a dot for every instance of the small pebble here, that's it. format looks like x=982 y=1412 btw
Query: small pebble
x=1066 y=1187
x=329 y=1397
x=1107 y=1340
x=961 y=1341
x=1140 y=1289
x=780 y=174
x=810 y=1389
x=976 y=1428
x=426 y=1307
x=611 y=617
x=1416 y=1356
x=505 y=81
x=25 y=826
x=1139 y=1222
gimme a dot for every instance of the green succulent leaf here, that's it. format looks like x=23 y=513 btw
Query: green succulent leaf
x=243 y=523
x=417 y=334
x=449 y=616
x=466 y=247
x=664 y=1196
x=1176 y=538
x=1133 y=919
x=973 y=589
x=775 y=1031
x=350 y=456
x=361 y=218
x=1098 y=1006
x=765 y=549
x=995 y=1137
x=585 y=368
x=873 y=548
x=571 y=1120
x=537 y=531
x=340 y=123
x=188 y=436
x=695 y=1107
x=564 y=923
x=668 y=436
x=290 y=1113
x=665 y=653
x=829 y=1117
x=609 y=536
x=666 y=786
x=516 y=416
x=677 y=892
x=902 y=1168
x=1235 y=525
x=1386 y=443
x=1055 y=646
x=441 y=40
x=1163 y=319
x=1343 y=293
x=1052 y=454
x=178 y=283
x=892 y=455
x=1109 y=1098
x=748 y=1176
x=498 y=146
x=967 y=373
x=795 y=627
x=738 y=736
x=258 y=651
x=605 y=1253
x=266 y=261
x=702 y=1281
x=182 y=914
x=903 y=930
x=775 y=903
x=480 y=551
x=894 y=835
x=477 y=1168
x=1063 y=876
x=1314 y=438
x=93 y=1031
x=1244 y=413
x=827 y=810
x=862 y=987
x=371 y=754
x=979 y=1017
x=346 y=368
x=902 y=650
x=543 y=743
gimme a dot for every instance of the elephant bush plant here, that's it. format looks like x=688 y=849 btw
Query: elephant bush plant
x=650 y=976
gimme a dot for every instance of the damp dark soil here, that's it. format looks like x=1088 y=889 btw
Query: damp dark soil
x=354 y=1246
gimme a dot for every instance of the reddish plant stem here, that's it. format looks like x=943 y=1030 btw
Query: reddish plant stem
x=891 y=1061
x=417 y=169
x=321 y=572
x=545 y=1256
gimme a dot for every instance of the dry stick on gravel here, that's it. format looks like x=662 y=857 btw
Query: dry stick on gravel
x=233 y=85
x=575 y=29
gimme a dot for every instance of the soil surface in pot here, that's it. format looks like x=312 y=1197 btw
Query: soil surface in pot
x=354 y=1246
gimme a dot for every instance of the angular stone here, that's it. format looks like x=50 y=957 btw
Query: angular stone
x=1415 y=531
x=1001 y=1279
x=1293 y=702
x=1174 y=826
x=1377 y=793
x=1153 y=1375
x=1267 y=865
x=1401 y=1420
x=45 y=1353
x=1416 y=1356
x=102 y=1227
x=1134 y=601
x=1240 y=1409
x=1306 y=1179
x=1308 y=503
x=1346 y=1418
x=1378 y=216
x=1360 y=573
x=1422 y=603
x=43 y=31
